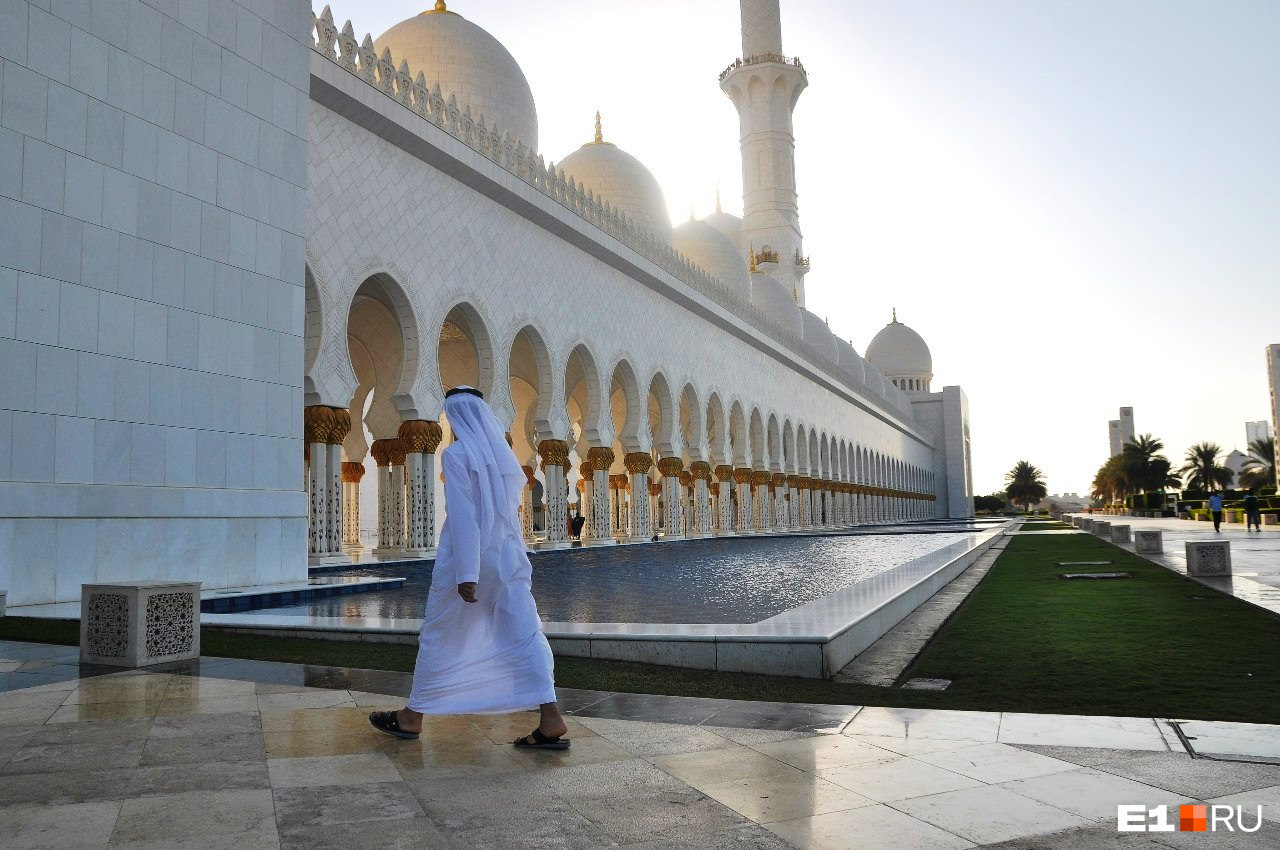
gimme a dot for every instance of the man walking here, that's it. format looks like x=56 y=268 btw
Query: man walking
x=1215 y=510
x=1252 y=516
x=481 y=650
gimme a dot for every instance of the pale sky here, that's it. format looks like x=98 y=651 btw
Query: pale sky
x=1076 y=203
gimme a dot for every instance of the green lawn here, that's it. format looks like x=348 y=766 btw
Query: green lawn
x=1155 y=645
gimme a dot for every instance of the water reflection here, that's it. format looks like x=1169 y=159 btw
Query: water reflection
x=700 y=581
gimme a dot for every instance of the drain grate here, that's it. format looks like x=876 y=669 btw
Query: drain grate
x=927 y=684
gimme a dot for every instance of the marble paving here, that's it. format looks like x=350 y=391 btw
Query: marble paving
x=224 y=753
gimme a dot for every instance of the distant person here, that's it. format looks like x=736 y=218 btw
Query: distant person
x=578 y=522
x=1215 y=510
x=1252 y=516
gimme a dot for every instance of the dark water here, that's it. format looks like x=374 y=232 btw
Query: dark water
x=697 y=581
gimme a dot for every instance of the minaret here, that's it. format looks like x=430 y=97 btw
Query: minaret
x=764 y=86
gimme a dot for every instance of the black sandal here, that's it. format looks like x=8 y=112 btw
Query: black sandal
x=541 y=742
x=389 y=722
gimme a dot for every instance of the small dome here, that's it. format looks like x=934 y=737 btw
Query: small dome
x=898 y=351
x=709 y=248
x=775 y=301
x=468 y=63
x=874 y=381
x=728 y=224
x=851 y=364
x=616 y=176
x=819 y=342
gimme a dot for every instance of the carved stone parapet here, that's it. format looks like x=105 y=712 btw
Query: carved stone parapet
x=352 y=472
x=724 y=472
x=742 y=475
x=420 y=436
x=638 y=462
x=553 y=453
x=700 y=470
x=317 y=423
x=600 y=457
x=670 y=465
x=381 y=451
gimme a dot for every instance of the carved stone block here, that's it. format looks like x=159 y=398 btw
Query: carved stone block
x=1086 y=524
x=1119 y=534
x=1102 y=529
x=1209 y=558
x=1271 y=519
x=1148 y=542
x=139 y=623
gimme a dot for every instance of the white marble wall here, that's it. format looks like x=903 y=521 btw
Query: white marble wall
x=152 y=208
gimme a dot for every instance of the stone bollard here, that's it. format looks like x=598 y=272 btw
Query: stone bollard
x=1271 y=519
x=1086 y=524
x=4 y=598
x=1146 y=542
x=139 y=623
x=1232 y=515
x=1119 y=534
x=1102 y=529
x=1209 y=558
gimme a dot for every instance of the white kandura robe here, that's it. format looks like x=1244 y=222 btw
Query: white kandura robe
x=487 y=657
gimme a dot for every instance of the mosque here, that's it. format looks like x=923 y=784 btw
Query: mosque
x=272 y=244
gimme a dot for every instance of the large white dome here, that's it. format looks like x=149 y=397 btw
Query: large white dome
x=898 y=351
x=468 y=63
x=616 y=176
x=728 y=224
x=711 y=250
x=775 y=301
x=819 y=341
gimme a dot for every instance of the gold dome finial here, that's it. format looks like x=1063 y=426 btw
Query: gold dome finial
x=599 y=134
x=895 y=315
x=718 y=198
x=440 y=9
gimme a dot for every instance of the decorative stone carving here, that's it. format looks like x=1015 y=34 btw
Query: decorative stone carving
x=1208 y=557
x=1148 y=542
x=137 y=624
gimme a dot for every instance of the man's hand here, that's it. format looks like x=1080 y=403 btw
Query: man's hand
x=467 y=590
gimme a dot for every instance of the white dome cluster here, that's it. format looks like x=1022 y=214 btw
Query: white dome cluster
x=715 y=253
x=616 y=176
x=470 y=64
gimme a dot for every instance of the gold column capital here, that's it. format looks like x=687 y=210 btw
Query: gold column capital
x=742 y=475
x=670 y=465
x=341 y=426
x=420 y=436
x=724 y=472
x=600 y=457
x=317 y=423
x=700 y=470
x=352 y=472
x=553 y=453
x=638 y=462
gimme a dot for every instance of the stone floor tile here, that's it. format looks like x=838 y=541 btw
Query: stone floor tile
x=467 y=758
x=742 y=837
x=505 y=728
x=606 y=779
x=896 y=779
x=14 y=700
x=368 y=700
x=655 y=739
x=234 y=746
x=572 y=700
x=331 y=770
x=1197 y=778
x=201 y=776
x=786 y=717
x=211 y=726
x=1267 y=798
x=305 y=743
x=1083 y=756
x=26 y=715
x=248 y=816
x=773 y=798
x=399 y=834
x=348 y=717
x=980 y=726
x=1128 y=733
x=1089 y=838
x=824 y=751
x=83 y=712
x=989 y=814
x=992 y=763
x=750 y=737
x=516 y=792
x=84 y=826
x=205 y=687
x=301 y=808
x=71 y=785
x=1267 y=836
x=98 y=731
x=56 y=758
x=1222 y=738
x=655 y=708
x=148 y=688
x=553 y=826
x=656 y=814
x=183 y=706
x=873 y=827
x=910 y=746
x=591 y=749
x=715 y=766
x=304 y=699
x=1091 y=793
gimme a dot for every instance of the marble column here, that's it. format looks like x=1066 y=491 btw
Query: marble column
x=352 y=473
x=600 y=522
x=317 y=423
x=333 y=471
x=803 y=516
x=686 y=503
x=672 y=497
x=745 y=524
x=700 y=522
x=526 y=506
x=638 y=465
x=761 y=508
x=781 y=521
x=390 y=499
x=555 y=456
x=793 y=502
x=655 y=501
x=420 y=439
x=724 y=499
x=618 y=506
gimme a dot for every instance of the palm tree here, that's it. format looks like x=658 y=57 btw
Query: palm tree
x=1145 y=469
x=1260 y=469
x=1026 y=485
x=1202 y=471
x=1111 y=482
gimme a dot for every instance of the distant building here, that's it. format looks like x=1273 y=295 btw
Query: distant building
x=1259 y=430
x=1235 y=462
x=1120 y=431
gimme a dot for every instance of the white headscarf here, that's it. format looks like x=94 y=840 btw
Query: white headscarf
x=500 y=478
